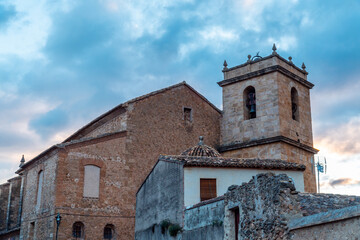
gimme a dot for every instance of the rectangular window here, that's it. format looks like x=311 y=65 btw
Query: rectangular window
x=32 y=231
x=187 y=114
x=91 y=181
x=207 y=188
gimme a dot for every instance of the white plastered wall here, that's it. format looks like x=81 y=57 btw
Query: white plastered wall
x=226 y=177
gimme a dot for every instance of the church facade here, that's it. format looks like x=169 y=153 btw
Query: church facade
x=91 y=178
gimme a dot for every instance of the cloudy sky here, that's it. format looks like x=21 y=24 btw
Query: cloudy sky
x=63 y=63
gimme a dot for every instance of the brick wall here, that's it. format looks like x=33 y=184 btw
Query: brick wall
x=116 y=124
x=4 y=196
x=154 y=125
x=43 y=217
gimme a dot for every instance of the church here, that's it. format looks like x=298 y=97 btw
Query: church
x=85 y=187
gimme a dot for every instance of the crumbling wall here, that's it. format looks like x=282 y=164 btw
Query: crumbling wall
x=271 y=208
x=265 y=204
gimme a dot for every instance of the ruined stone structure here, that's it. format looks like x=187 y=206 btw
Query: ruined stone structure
x=269 y=207
x=92 y=177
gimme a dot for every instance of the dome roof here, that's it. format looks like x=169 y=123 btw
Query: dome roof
x=201 y=150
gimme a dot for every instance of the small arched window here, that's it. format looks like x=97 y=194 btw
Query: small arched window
x=109 y=232
x=91 y=181
x=249 y=103
x=78 y=230
x=294 y=104
x=39 y=189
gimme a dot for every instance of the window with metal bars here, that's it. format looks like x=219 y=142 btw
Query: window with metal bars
x=78 y=230
x=108 y=231
x=207 y=188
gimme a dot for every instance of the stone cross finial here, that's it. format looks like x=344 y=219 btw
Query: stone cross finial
x=274 y=49
x=290 y=58
x=22 y=161
x=303 y=66
x=201 y=140
x=249 y=58
x=225 y=65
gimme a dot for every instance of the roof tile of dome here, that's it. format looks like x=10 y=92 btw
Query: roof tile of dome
x=201 y=150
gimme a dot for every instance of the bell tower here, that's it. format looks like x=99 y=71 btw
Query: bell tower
x=267 y=113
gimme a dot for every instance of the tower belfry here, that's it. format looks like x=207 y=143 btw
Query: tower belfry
x=267 y=113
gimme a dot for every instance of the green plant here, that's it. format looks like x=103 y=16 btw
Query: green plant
x=165 y=225
x=217 y=223
x=174 y=229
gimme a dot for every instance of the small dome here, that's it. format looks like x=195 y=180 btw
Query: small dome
x=201 y=150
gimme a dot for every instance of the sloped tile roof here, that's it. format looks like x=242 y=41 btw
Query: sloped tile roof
x=201 y=161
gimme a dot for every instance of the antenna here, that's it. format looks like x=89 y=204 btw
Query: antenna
x=321 y=167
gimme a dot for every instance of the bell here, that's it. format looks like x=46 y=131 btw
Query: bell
x=252 y=108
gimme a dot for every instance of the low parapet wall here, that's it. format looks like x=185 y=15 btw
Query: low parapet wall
x=335 y=224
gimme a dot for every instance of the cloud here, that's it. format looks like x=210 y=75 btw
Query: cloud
x=26 y=34
x=341 y=138
x=64 y=63
x=49 y=123
x=7 y=12
x=344 y=181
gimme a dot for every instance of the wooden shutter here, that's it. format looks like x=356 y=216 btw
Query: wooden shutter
x=207 y=188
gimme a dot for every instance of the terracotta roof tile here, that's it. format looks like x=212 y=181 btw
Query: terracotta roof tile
x=201 y=161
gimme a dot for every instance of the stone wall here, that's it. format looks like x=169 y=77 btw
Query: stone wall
x=14 y=217
x=266 y=151
x=42 y=217
x=160 y=198
x=114 y=204
x=271 y=208
x=262 y=207
x=266 y=124
x=297 y=155
x=204 y=221
x=297 y=130
x=117 y=124
x=334 y=230
x=4 y=196
x=13 y=235
x=10 y=206
x=284 y=152
x=156 y=126
x=273 y=114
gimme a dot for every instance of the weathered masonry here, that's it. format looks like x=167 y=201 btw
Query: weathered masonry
x=92 y=177
x=267 y=113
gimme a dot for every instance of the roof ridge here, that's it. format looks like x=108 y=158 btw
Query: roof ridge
x=136 y=99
